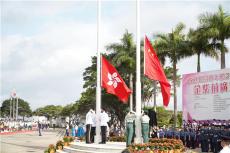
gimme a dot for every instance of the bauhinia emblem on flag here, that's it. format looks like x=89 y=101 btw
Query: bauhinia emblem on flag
x=154 y=71
x=112 y=81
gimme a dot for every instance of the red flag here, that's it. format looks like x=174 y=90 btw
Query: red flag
x=154 y=71
x=112 y=81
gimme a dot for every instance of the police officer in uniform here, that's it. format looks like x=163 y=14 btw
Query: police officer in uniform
x=206 y=138
x=215 y=139
x=161 y=133
x=129 y=120
x=182 y=136
x=202 y=139
x=192 y=138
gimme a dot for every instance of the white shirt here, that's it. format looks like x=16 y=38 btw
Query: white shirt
x=226 y=149
x=145 y=119
x=104 y=118
x=94 y=119
x=89 y=119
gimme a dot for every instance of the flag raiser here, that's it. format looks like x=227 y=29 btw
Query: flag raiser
x=154 y=71
x=112 y=81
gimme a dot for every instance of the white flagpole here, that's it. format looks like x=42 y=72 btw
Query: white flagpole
x=138 y=138
x=11 y=100
x=17 y=109
x=98 y=91
x=131 y=95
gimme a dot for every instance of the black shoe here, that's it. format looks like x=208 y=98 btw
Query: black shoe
x=102 y=143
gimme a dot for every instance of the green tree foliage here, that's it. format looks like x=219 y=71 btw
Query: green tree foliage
x=48 y=111
x=23 y=108
x=217 y=27
x=174 y=46
x=68 y=110
x=199 y=44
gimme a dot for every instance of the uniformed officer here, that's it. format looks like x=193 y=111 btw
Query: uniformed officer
x=145 y=127
x=182 y=136
x=187 y=138
x=177 y=134
x=215 y=139
x=211 y=134
x=161 y=133
x=168 y=133
x=206 y=138
x=129 y=120
x=192 y=138
x=202 y=139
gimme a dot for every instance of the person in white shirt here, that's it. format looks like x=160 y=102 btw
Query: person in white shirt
x=67 y=129
x=104 y=119
x=93 y=129
x=225 y=143
x=89 y=123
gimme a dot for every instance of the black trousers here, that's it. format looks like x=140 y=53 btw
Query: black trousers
x=103 y=134
x=39 y=131
x=88 y=131
x=92 y=134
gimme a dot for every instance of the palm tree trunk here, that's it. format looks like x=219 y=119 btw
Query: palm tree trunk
x=175 y=94
x=222 y=54
x=198 y=62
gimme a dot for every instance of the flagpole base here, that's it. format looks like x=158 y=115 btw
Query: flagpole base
x=97 y=139
x=138 y=138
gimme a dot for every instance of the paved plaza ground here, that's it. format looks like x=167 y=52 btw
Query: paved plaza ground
x=29 y=142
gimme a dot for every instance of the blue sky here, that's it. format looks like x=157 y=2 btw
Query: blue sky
x=46 y=45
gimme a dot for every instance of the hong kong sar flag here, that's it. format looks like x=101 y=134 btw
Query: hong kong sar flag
x=112 y=81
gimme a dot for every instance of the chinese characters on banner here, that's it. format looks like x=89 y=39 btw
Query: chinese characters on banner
x=206 y=95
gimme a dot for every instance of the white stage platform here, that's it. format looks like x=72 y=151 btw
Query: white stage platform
x=82 y=147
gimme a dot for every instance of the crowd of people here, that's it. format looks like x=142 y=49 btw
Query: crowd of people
x=206 y=135
x=209 y=135
x=88 y=130
x=11 y=126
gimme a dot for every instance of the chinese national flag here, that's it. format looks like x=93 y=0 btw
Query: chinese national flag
x=154 y=71
x=112 y=81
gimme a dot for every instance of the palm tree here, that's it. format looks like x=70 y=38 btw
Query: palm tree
x=174 y=46
x=217 y=26
x=199 y=44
